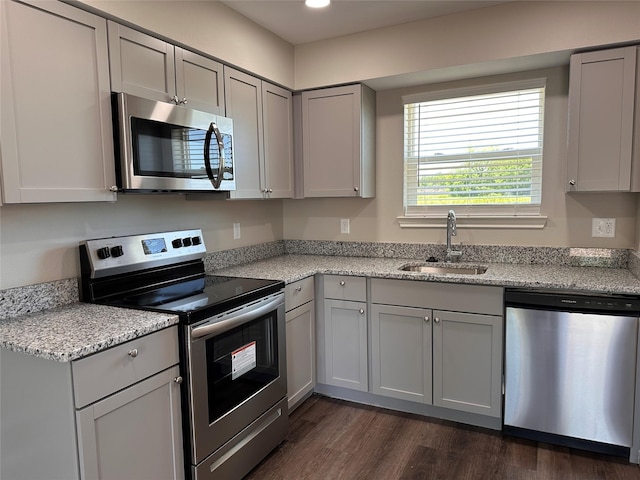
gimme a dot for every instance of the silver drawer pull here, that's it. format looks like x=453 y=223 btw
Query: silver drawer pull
x=436 y=320
x=426 y=319
x=133 y=353
x=178 y=380
x=298 y=289
x=342 y=283
x=362 y=311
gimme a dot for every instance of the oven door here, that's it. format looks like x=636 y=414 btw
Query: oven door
x=236 y=371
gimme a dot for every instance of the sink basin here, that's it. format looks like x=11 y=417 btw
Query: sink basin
x=442 y=269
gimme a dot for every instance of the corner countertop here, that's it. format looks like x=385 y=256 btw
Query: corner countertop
x=76 y=330
x=73 y=331
x=292 y=267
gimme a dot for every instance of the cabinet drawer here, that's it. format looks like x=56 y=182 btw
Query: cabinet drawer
x=298 y=293
x=345 y=287
x=442 y=296
x=104 y=373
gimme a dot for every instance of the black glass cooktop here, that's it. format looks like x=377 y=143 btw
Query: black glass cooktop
x=200 y=298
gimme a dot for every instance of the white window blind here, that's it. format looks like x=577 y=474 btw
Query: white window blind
x=479 y=150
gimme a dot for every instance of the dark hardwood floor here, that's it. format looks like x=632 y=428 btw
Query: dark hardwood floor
x=334 y=439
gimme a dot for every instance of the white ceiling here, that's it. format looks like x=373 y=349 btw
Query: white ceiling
x=297 y=24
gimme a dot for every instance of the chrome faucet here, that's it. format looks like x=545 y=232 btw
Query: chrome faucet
x=452 y=255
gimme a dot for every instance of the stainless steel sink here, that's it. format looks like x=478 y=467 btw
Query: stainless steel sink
x=442 y=269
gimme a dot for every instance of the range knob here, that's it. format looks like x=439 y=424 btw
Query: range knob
x=196 y=240
x=103 y=253
x=177 y=243
x=117 y=251
x=186 y=241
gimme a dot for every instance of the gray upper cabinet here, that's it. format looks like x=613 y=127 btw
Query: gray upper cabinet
x=148 y=67
x=338 y=142
x=263 y=136
x=56 y=138
x=601 y=109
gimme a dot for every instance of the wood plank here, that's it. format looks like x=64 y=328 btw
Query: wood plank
x=339 y=440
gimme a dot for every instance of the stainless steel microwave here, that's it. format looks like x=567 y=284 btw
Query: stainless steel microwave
x=162 y=147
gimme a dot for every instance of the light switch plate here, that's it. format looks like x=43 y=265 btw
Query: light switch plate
x=603 y=227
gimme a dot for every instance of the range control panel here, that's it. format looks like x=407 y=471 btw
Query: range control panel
x=114 y=255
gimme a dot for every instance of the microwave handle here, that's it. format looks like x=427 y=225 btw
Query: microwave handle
x=215 y=180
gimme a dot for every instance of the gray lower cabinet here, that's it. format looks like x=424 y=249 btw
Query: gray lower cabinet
x=345 y=332
x=467 y=362
x=401 y=352
x=111 y=415
x=437 y=343
x=301 y=352
x=346 y=344
x=135 y=433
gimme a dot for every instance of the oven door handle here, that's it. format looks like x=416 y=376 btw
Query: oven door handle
x=237 y=318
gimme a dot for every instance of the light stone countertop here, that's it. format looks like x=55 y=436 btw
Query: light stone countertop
x=295 y=267
x=76 y=330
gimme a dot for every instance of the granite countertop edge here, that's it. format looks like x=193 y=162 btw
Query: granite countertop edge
x=77 y=330
x=293 y=267
x=71 y=332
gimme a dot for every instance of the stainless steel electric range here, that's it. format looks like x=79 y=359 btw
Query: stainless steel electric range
x=232 y=335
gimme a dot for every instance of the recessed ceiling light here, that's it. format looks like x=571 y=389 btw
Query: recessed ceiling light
x=317 y=3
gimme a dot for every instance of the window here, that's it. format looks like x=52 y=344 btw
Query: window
x=478 y=151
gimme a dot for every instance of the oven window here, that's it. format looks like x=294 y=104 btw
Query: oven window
x=240 y=362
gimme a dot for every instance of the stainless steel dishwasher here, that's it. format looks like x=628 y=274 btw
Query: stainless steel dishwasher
x=570 y=368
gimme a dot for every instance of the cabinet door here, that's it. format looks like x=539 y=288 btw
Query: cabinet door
x=301 y=354
x=277 y=110
x=601 y=102
x=244 y=105
x=55 y=112
x=135 y=433
x=346 y=344
x=467 y=362
x=331 y=153
x=199 y=81
x=401 y=352
x=141 y=64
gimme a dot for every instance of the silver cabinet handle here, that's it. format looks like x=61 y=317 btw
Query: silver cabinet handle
x=426 y=319
x=178 y=380
x=298 y=289
x=572 y=182
x=356 y=189
x=436 y=320
x=362 y=311
x=133 y=353
x=342 y=283
x=113 y=188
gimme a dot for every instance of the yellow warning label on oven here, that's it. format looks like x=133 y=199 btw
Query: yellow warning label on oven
x=243 y=359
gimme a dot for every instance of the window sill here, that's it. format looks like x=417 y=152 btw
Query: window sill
x=476 y=221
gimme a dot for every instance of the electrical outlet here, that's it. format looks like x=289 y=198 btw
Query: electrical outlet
x=344 y=225
x=603 y=227
x=236 y=231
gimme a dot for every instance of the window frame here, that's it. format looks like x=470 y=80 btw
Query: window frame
x=483 y=216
